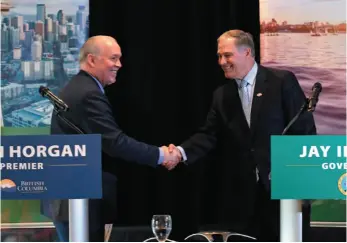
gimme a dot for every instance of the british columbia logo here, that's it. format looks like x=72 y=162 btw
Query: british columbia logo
x=7 y=185
x=342 y=184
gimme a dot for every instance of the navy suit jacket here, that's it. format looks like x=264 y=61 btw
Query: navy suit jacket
x=90 y=110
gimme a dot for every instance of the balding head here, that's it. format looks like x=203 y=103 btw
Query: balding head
x=100 y=57
x=94 y=46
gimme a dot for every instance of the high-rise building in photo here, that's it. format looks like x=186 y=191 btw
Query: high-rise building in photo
x=28 y=39
x=4 y=38
x=41 y=12
x=14 y=36
x=17 y=22
x=40 y=29
x=25 y=27
x=36 y=49
x=81 y=17
x=61 y=17
x=48 y=29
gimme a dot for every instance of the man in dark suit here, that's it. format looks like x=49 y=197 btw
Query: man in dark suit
x=90 y=111
x=256 y=103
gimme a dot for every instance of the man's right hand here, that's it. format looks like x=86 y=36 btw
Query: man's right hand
x=172 y=156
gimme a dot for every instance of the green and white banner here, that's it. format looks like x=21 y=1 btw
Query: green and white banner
x=308 y=167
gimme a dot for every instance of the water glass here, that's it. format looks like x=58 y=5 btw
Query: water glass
x=161 y=227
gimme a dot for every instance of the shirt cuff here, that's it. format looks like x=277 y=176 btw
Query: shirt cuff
x=161 y=156
x=184 y=156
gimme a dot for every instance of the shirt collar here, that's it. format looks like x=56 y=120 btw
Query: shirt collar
x=251 y=75
x=97 y=82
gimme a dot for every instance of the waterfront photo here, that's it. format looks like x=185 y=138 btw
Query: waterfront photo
x=308 y=37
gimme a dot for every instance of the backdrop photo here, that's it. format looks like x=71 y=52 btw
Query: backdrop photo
x=309 y=38
x=40 y=41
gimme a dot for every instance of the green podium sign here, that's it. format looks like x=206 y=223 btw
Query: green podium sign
x=308 y=167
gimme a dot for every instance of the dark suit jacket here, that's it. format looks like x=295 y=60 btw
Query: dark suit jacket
x=242 y=148
x=90 y=110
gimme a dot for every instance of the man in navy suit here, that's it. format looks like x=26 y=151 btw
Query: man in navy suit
x=256 y=103
x=90 y=111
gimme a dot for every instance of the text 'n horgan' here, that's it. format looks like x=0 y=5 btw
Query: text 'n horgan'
x=43 y=151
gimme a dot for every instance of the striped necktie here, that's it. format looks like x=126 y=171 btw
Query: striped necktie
x=245 y=99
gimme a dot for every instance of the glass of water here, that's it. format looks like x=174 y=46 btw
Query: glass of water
x=161 y=227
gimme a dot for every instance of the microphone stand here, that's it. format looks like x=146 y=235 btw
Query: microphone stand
x=291 y=214
x=302 y=109
x=58 y=112
x=78 y=208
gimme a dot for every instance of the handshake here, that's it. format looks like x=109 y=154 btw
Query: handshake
x=172 y=156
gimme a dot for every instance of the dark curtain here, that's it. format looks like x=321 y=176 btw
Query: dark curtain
x=162 y=96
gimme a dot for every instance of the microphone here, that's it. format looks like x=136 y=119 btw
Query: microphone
x=313 y=100
x=45 y=92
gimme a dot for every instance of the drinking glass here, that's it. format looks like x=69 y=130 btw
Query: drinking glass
x=161 y=227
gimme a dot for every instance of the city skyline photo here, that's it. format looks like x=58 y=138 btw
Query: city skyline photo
x=40 y=42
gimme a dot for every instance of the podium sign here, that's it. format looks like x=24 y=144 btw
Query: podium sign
x=308 y=167
x=50 y=167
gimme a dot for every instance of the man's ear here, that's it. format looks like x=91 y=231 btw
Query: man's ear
x=248 y=51
x=91 y=60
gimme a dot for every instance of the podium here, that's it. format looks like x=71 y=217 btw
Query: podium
x=54 y=167
x=308 y=167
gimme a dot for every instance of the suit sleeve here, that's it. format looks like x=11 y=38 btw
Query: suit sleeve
x=203 y=141
x=115 y=143
x=293 y=99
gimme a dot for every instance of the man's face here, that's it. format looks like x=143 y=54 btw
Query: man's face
x=232 y=59
x=107 y=63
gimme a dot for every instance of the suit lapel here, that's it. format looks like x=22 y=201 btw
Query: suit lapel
x=258 y=96
x=233 y=106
